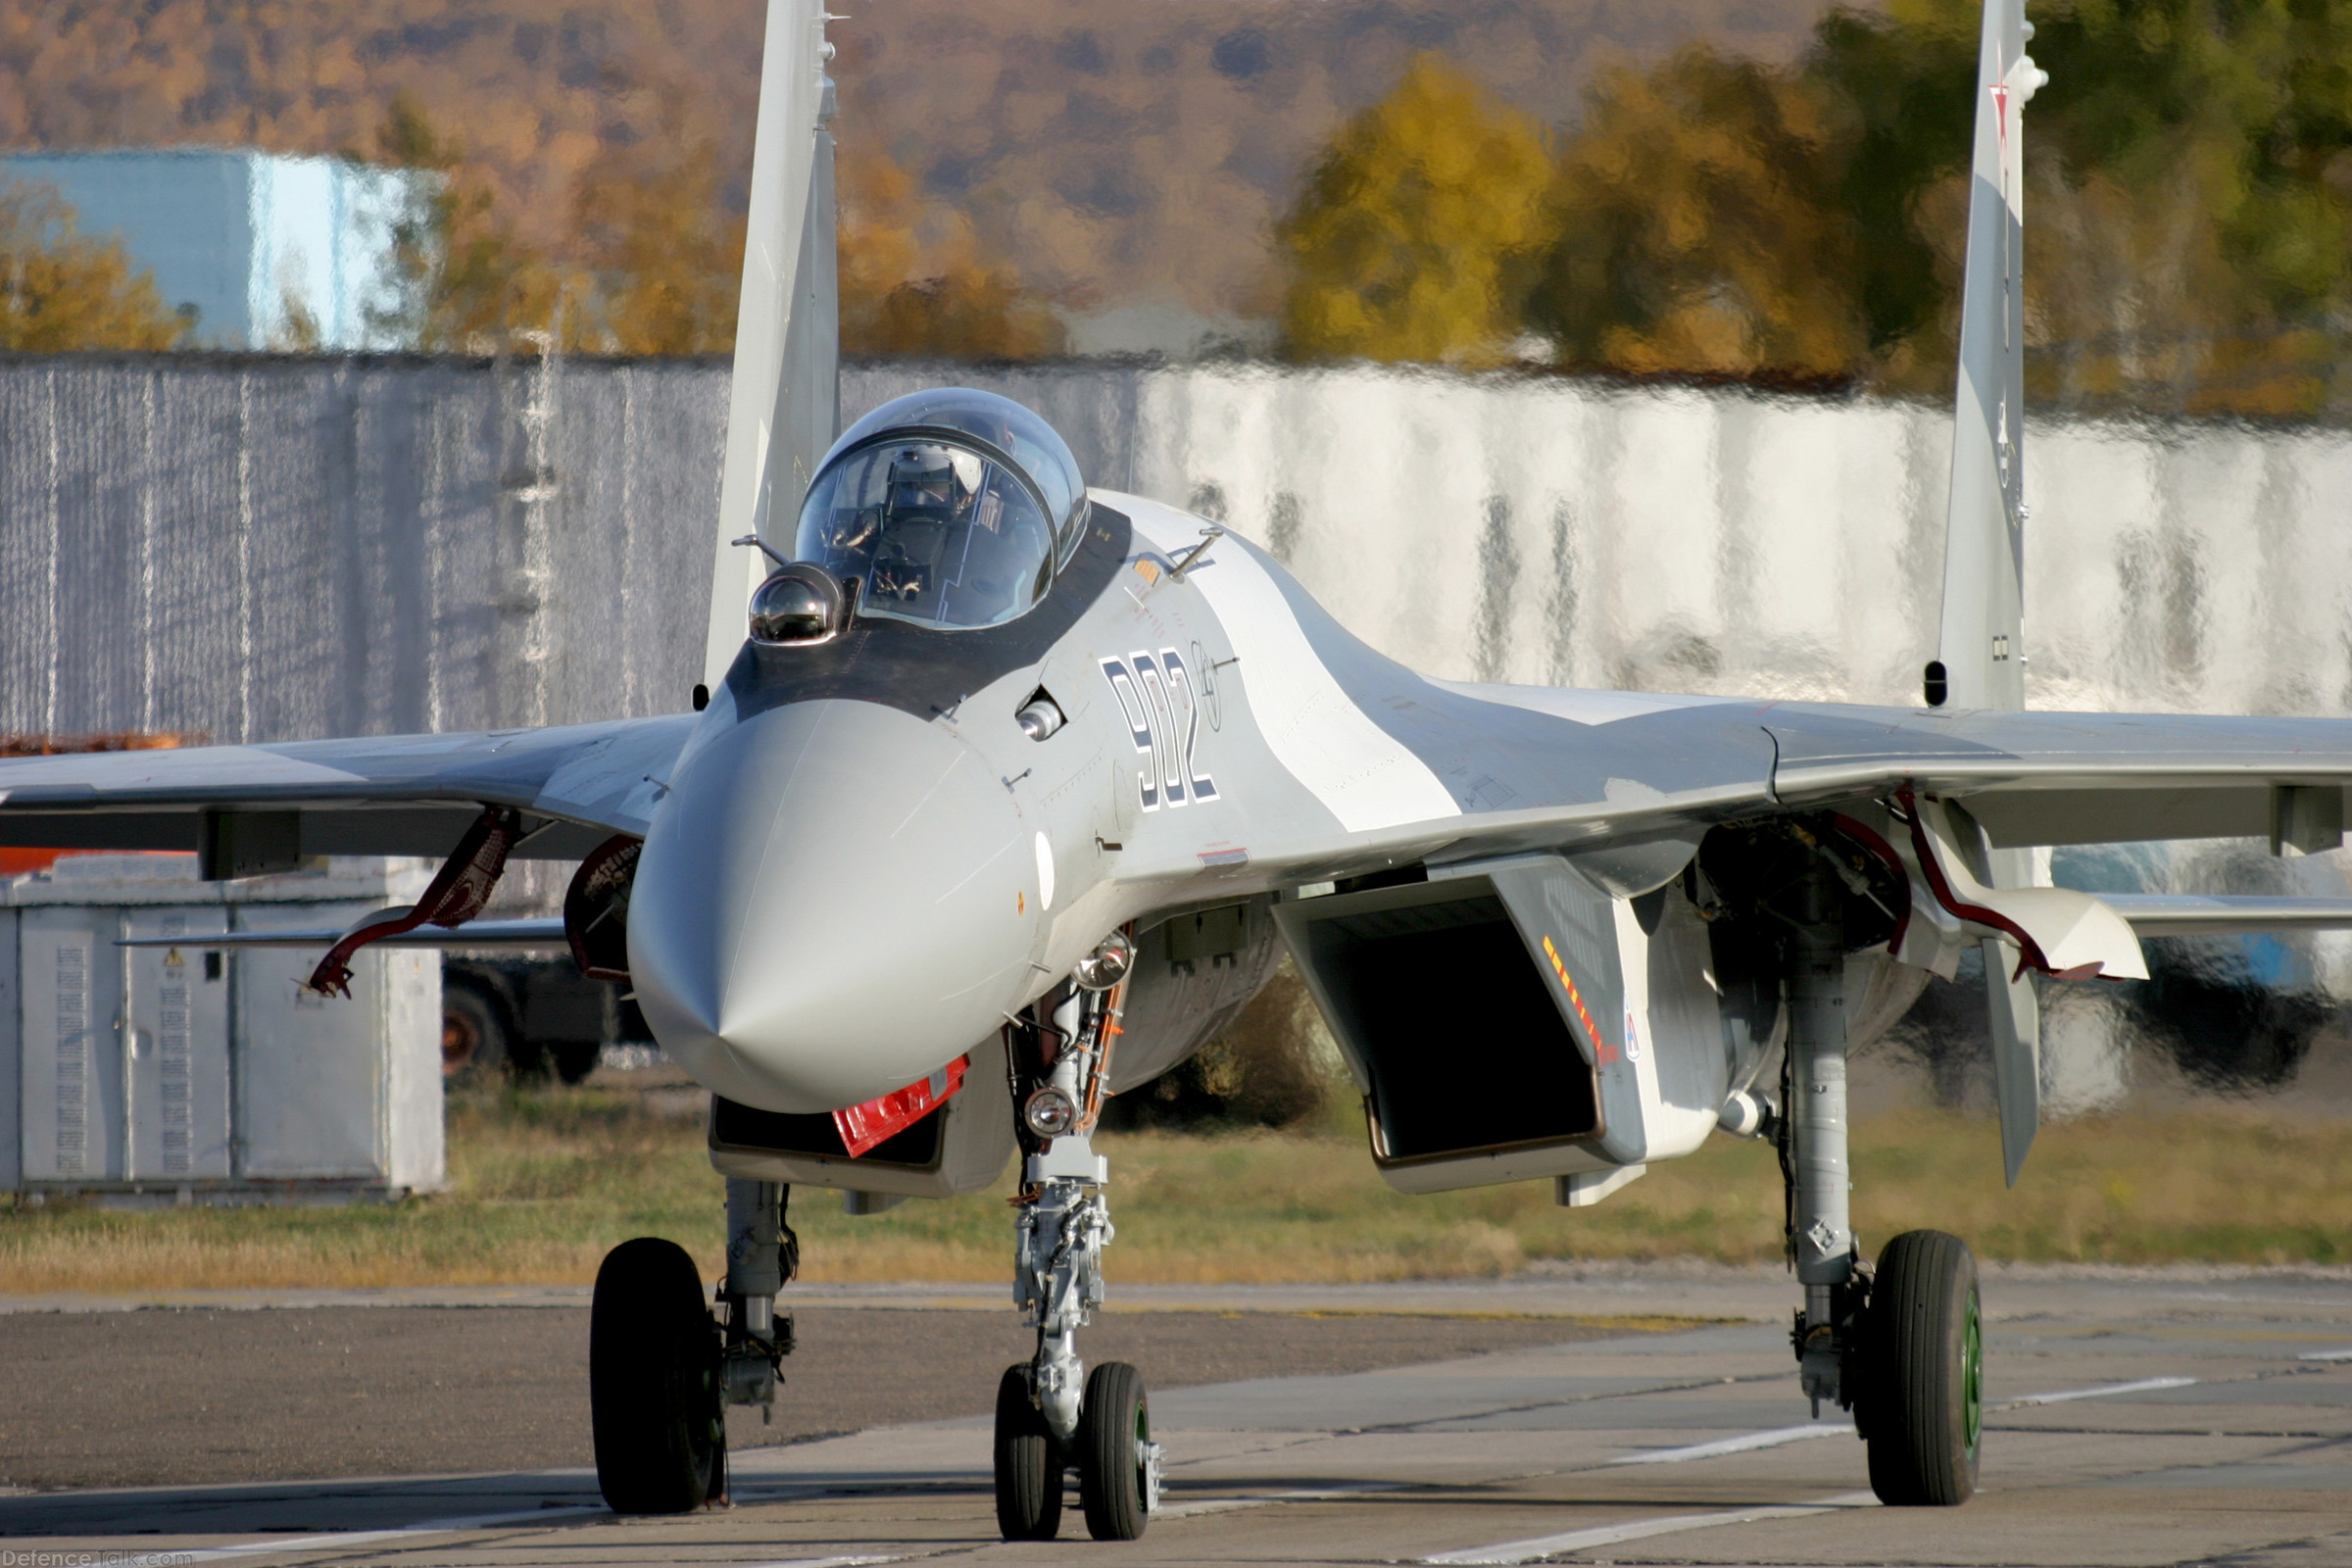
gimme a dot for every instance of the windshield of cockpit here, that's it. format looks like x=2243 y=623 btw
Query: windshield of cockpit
x=933 y=532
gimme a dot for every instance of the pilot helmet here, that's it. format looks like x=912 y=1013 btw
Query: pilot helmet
x=931 y=476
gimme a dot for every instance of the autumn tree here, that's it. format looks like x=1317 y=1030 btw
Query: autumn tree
x=2188 y=197
x=915 y=281
x=60 y=290
x=1696 y=227
x=460 y=278
x=1412 y=237
x=662 y=244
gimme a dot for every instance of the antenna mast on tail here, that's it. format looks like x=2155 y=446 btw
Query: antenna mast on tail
x=784 y=400
x=1980 y=650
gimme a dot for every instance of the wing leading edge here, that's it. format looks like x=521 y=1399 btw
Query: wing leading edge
x=577 y=785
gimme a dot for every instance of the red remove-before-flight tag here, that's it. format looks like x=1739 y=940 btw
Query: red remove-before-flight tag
x=861 y=1127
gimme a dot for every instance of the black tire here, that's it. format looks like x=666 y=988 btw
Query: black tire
x=1029 y=1463
x=1115 y=1425
x=476 y=1040
x=575 y=1059
x=1924 y=1398
x=653 y=1382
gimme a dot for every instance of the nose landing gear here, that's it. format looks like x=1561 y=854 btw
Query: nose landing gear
x=1050 y=1415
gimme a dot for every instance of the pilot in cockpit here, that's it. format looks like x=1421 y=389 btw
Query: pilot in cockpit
x=934 y=494
x=941 y=526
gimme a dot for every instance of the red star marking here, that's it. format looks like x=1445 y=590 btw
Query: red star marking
x=2000 y=103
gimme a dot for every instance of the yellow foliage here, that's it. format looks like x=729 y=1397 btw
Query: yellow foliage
x=474 y=287
x=663 y=245
x=62 y=291
x=1411 y=239
x=916 y=283
x=1698 y=229
x=2134 y=298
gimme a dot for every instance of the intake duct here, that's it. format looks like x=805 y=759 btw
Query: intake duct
x=1469 y=1072
x=1511 y=1018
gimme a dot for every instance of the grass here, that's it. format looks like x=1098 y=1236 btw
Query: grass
x=543 y=1183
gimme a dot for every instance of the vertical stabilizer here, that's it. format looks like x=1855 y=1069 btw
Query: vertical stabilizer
x=1983 y=545
x=1981 y=645
x=783 y=403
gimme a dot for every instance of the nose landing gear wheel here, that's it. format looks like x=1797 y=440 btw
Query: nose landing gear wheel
x=1118 y=1478
x=653 y=1382
x=1028 y=1463
x=1924 y=1397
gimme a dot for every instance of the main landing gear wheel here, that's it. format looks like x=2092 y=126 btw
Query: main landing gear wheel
x=653 y=1382
x=1029 y=1463
x=1115 y=1479
x=1926 y=1384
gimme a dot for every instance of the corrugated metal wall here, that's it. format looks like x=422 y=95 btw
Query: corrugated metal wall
x=270 y=549
x=251 y=548
x=263 y=550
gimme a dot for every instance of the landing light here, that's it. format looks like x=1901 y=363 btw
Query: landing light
x=1106 y=965
x=1050 y=1113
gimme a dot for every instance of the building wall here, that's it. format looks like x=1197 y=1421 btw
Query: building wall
x=249 y=240
x=266 y=549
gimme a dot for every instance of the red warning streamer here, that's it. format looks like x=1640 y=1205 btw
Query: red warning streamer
x=457 y=895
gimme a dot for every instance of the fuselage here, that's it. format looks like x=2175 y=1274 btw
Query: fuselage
x=864 y=863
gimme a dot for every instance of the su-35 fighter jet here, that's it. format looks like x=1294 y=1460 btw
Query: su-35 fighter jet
x=1016 y=790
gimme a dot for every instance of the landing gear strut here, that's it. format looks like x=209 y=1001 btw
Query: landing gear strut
x=1051 y=1414
x=763 y=1256
x=1901 y=1346
x=662 y=1367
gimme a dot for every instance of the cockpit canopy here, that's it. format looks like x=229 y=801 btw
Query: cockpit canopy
x=950 y=508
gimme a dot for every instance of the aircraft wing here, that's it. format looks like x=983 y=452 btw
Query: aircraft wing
x=576 y=786
x=1679 y=765
x=2049 y=778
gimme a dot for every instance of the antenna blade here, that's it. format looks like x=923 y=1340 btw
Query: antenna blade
x=1981 y=644
x=783 y=400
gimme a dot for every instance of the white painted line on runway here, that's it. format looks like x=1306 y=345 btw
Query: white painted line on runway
x=2326 y=1355
x=368 y=1538
x=1210 y=1505
x=1817 y=1429
x=1534 y=1547
x=1754 y=1440
x=2143 y=1385
x=817 y=1562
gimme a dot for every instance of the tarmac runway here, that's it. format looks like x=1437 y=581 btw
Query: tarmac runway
x=2136 y=1417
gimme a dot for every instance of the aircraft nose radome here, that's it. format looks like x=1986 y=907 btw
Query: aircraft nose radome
x=833 y=901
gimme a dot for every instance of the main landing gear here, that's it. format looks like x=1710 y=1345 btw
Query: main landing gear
x=1052 y=1416
x=1901 y=1346
x=663 y=1366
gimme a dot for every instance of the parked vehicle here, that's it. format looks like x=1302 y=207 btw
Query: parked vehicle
x=528 y=1017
